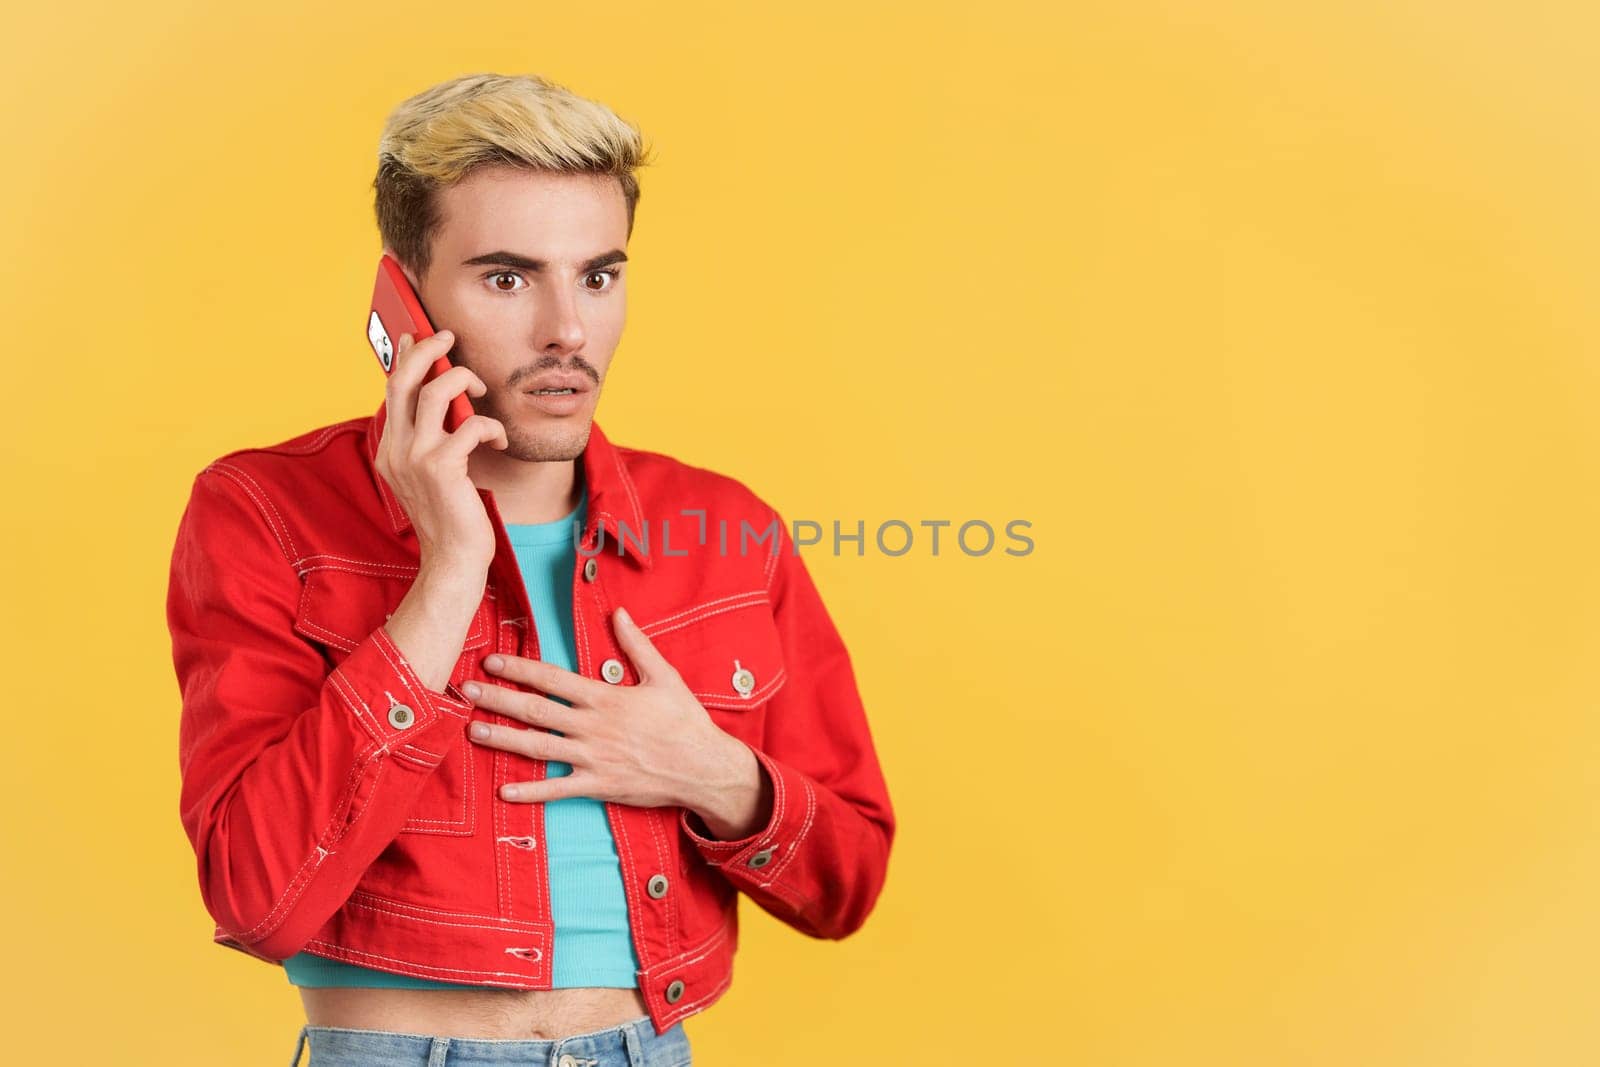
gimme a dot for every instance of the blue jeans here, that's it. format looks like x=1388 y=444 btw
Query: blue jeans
x=630 y=1044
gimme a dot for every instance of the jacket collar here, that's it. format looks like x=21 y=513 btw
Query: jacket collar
x=613 y=498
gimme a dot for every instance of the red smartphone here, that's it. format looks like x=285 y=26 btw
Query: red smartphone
x=396 y=310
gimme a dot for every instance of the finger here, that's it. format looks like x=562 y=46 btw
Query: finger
x=647 y=661
x=476 y=430
x=566 y=785
x=531 y=708
x=575 y=689
x=411 y=363
x=428 y=407
x=435 y=395
x=527 y=741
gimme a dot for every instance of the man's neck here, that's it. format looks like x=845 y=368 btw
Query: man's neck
x=528 y=492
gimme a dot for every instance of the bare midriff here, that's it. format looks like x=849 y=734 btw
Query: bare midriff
x=528 y=1014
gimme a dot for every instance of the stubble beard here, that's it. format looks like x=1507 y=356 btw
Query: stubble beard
x=542 y=439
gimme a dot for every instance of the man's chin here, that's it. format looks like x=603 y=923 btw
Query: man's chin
x=543 y=439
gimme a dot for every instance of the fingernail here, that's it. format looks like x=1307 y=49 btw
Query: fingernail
x=472 y=690
x=622 y=613
x=494 y=663
x=480 y=730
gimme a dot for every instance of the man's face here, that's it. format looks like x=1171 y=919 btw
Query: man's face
x=527 y=272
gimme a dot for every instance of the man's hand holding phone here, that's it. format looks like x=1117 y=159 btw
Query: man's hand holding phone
x=427 y=469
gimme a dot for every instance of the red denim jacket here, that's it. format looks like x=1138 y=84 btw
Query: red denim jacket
x=335 y=804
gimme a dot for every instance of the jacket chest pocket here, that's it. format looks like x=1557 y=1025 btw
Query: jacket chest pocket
x=729 y=654
x=341 y=607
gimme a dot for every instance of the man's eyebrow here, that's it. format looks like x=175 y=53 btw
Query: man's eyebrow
x=520 y=262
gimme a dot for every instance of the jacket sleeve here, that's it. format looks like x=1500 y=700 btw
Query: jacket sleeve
x=293 y=777
x=822 y=859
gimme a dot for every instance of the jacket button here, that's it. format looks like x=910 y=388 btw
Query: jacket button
x=611 y=671
x=589 y=569
x=658 y=886
x=674 y=992
x=401 y=716
x=760 y=859
x=743 y=681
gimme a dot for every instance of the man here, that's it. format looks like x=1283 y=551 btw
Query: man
x=672 y=718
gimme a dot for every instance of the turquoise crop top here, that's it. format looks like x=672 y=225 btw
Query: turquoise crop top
x=592 y=945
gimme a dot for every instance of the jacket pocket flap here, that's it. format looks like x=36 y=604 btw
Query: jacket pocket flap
x=727 y=651
x=341 y=606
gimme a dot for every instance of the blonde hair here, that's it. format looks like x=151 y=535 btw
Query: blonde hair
x=439 y=136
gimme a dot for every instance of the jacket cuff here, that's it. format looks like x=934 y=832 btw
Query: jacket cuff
x=760 y=857
x=385 y=694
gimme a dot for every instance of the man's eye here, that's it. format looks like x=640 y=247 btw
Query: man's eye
x=611 y=274
x=494 y=280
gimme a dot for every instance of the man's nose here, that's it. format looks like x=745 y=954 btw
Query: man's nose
x=557 y=321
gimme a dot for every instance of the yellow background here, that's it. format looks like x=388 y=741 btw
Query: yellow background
x=1277 y=323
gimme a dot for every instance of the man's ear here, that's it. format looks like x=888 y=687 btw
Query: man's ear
x=411 y=277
